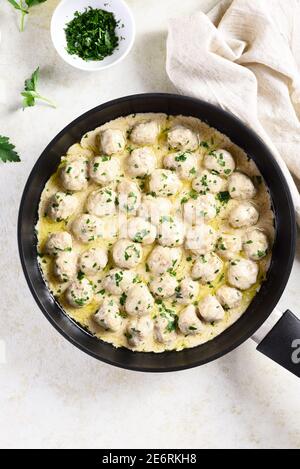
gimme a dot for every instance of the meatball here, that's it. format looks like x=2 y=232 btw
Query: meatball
x=74 y=174
x=58 y=242
x=229 y=297
x=112 y=141
x=219 y=161
x=200 y=239
x=80 y=293
x=93 y=261
x=164 y=286
x=144 y=133
x=127 y=254
x=210 y=309
x=164 y=182
x=242 y=273
x=163 y=259
x=65 y=267
x=103 y=169
x=163 y=330
x=61 y=206
x=141 y=162
x=202 y=208
x=182 y=138
x=141 y=231
x=255 y=244
x=170 y=232
x=229 y=245
x=185 y=164
x=118 y=281
x=241 y=187
x=102 y=202
x=108 y=315
x=187 y=291
x=188 y=322
x=138 y=330
x=87 y=228
x=207 y=268
x=243 y=215
x=129 y=196
x=208 y=182
x=153 y=208
x=139 y=301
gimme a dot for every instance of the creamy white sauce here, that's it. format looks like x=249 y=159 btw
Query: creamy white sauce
x=88 y=148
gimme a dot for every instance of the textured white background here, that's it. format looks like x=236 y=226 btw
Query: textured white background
x=51 y=394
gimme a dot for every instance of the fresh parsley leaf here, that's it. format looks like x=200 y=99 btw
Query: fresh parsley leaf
x=29 y=98
x=24 y=8
x=7 y=150
x=30 y=93
x=17 y=6
x=32 y=3
x=31 y=83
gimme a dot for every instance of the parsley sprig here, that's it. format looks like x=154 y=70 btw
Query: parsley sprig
x=24 y=6
x=30 y=93
x=7 y=150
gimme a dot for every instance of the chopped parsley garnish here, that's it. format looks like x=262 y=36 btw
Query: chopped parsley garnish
x=223 y=197
x=81 y=301
x=130 y=251
x=118 y=277
x=169 y=314
x=261 y=253
x=122 y=314
x=181 y=157
x=184 y=200
x=80 y=275
x=123 y=298
x=172 y=324
x=140 y=235
x=191 y=195
x=91 y=35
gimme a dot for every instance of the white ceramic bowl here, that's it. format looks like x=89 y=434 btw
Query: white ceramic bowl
x=125 y=30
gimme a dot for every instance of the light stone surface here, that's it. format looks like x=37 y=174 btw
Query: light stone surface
x=51 y=394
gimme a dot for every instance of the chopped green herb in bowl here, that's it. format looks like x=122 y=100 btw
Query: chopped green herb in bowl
x=92 y=34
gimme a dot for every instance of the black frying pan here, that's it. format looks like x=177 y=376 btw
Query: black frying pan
x=283 y=249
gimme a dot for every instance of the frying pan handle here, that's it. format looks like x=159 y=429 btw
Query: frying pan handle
x=279 y=339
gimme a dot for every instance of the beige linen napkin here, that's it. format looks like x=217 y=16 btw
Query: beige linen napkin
x=245 y=57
